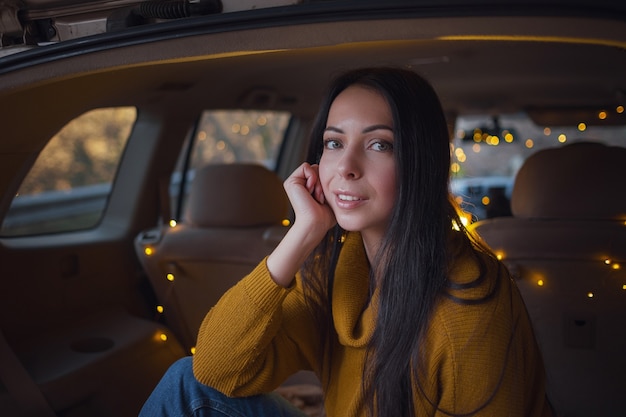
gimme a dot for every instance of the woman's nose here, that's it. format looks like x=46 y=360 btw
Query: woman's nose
x=349 y=165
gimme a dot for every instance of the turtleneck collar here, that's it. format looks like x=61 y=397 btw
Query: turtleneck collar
x=354 y=314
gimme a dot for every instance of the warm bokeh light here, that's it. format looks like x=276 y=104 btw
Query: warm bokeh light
x=540 y=283
x=562 y=138
x=193 y=350
x=547 y=131
x=170 y=277
x=163 y=337
x=286 y=222
x=476 y=148
x=173 y=223
x=582 y=127
x=590 y=294
x=619 y=109
x=455 y=167
x=485 y=200
x=529 y=143
x=602 y=115
x=160 y=309
x=148 y=251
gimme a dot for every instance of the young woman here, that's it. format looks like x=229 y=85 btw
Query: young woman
x=376 y=287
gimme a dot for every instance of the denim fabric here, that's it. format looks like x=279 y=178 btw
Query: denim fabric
x=179 y=394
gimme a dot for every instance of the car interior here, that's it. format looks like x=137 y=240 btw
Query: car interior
x=142 y=160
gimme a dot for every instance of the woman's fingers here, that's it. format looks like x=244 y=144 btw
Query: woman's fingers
x=306 y=195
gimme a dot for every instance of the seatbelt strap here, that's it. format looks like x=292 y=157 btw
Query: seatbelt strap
x=22 y=388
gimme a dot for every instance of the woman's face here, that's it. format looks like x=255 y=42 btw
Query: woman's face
x=357 y=168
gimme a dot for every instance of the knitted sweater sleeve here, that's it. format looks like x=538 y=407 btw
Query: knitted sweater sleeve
x=257 y=335
x=482 y=360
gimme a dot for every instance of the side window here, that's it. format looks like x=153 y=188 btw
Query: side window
x=229 y=136
x=68 y=186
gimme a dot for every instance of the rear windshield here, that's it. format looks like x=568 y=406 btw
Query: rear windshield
x=487 y=152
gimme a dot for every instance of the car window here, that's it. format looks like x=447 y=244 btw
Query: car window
x=228 y=136
x=487 y=152
x=68 y=186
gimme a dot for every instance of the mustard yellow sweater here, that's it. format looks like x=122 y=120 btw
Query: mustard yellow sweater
x=260 y=333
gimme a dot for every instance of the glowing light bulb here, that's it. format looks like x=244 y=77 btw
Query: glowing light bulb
x=540 y=283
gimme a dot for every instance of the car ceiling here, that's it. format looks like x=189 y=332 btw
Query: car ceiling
x=477 y=64
x=283 y=58
x=494 y=64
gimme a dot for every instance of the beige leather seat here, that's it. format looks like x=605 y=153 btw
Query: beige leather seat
x=233 y=219
x=566 y=245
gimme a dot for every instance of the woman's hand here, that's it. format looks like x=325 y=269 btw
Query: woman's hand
x=313 y=219
x=305 y=193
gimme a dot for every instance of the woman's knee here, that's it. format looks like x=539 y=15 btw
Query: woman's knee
x=181 y=369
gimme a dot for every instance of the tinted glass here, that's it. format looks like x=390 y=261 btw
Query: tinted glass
x=68 y=186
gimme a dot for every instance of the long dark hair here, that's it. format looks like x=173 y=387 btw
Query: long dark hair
x=410 y=269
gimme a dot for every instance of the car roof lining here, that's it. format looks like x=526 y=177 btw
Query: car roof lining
x=223 y=70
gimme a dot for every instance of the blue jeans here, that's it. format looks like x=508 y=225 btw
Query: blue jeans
x=179 y=394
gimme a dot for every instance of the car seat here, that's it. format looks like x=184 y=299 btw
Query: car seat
x=233 y=219
x=565 y=245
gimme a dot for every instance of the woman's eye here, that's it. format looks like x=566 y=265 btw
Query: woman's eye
x=331 y=144
x=382 y=146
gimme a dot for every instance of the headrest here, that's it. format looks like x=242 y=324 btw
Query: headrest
x=236 y=195
x=579 y=181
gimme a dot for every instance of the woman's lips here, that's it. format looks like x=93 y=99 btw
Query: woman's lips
x=348 y=201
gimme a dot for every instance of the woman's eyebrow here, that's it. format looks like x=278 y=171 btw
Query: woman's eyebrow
x=333 y=129
x=366 y=130
x=377 y=127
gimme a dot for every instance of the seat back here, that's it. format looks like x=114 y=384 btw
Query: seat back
x=566 y=246
x=233 y=219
